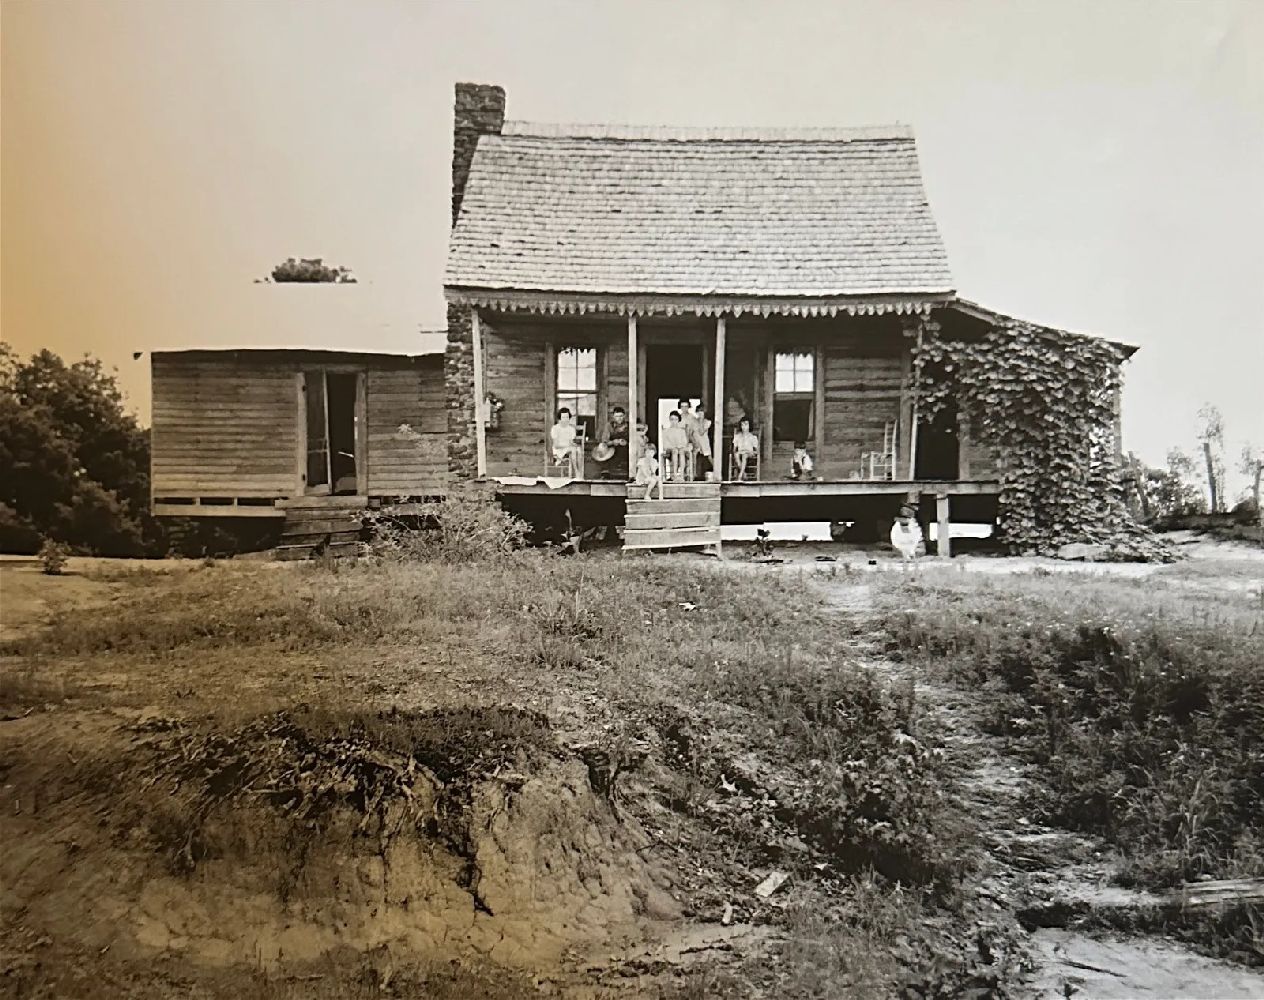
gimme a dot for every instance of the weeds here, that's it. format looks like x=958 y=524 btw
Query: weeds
x=53 y=556
x=1147 y=726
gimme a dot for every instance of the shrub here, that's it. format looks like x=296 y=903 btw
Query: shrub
x=53 y=556
x=467 y=525
x=1149 y=730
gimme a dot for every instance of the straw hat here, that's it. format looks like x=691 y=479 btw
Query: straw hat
x=603 y=452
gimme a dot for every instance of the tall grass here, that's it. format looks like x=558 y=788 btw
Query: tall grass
x=1144 y=710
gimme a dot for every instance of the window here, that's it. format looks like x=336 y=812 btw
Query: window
x=794 y=395
x=577 y=385
x=794 y=373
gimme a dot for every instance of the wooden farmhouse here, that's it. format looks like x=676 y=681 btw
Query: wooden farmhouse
x=779 y=278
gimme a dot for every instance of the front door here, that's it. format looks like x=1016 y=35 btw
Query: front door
x=672 y=373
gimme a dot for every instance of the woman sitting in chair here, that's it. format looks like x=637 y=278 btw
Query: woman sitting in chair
x=563 y=442
x=745 y=448
x=675 y=448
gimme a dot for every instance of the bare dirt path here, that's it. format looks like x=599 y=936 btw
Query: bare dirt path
x=1034 y=872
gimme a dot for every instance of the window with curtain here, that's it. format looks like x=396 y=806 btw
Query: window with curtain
x=577 y=385
x=794 y=394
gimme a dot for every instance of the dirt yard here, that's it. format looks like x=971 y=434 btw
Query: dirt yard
x=607 y=777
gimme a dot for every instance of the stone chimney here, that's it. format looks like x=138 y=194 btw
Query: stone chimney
x=480 y=110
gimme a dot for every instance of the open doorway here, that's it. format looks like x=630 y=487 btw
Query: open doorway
x=672 y=373
x=333 y=460
x=939 y=447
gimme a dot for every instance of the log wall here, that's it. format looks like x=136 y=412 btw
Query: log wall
x=519 y=365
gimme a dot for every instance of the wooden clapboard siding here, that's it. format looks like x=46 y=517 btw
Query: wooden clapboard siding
x=223 y=426
x=407 y=429
x=230 y=423
x=863 y=385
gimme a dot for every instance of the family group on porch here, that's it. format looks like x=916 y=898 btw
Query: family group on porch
x=685 y=442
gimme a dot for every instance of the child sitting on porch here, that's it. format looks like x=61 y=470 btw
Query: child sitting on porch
x=647 y=469
x=562 y=440
x=801 y=464
x=745 y=446
x=675 y=447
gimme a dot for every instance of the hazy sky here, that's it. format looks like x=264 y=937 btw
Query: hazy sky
x=1093 y=165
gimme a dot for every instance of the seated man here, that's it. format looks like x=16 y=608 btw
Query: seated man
x=618 y=434
x=745 y=448
x=675 y=448
x=563 y=441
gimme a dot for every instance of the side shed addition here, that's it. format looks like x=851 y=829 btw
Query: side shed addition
x=239 y=432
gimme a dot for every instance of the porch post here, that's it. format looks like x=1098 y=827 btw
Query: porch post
x=717 y=414
x=480 y=395
x=917 y=375
x=765 y=428
x=945 y=521
x=633 y=394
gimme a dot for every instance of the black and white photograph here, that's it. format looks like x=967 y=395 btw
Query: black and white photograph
x=631 y=499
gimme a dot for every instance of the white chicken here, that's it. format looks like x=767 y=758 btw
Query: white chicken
x=906 y=537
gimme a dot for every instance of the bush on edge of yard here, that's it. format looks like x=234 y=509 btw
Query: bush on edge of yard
x=1148 y=729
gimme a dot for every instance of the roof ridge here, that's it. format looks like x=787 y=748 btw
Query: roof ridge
x=680 y=133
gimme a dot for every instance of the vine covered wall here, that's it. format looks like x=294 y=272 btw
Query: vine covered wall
x=1044 y=401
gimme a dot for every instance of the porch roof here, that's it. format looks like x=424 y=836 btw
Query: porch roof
x=717 y=213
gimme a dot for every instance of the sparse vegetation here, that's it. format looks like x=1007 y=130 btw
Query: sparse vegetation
x=53 y=556
x=1145 y=715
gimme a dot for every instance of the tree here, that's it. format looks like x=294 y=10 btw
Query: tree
x=1171 y=492
x=1251 y=464
x=77 y=462
x=1211 y=434
x=311 y=270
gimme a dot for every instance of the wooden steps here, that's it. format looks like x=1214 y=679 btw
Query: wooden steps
x=319 y=526
x=688 y=515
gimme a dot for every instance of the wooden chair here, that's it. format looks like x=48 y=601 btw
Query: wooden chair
x=572 y=465
x=735 y=466
x=668 y=466
x=881 y=464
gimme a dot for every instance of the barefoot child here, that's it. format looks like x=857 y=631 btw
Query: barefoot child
x=745 y=446
x=675 y=447
x=647 y=469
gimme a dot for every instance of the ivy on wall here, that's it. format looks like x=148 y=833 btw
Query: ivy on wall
x=1043 y=402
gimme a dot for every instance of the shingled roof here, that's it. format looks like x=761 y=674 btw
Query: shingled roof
x=602 y=210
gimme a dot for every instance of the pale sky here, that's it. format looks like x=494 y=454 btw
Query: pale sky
x=1098 y=166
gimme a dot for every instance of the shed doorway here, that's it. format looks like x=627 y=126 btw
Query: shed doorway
x=334 y=417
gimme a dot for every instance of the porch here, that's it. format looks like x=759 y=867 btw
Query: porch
x=869 y=506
